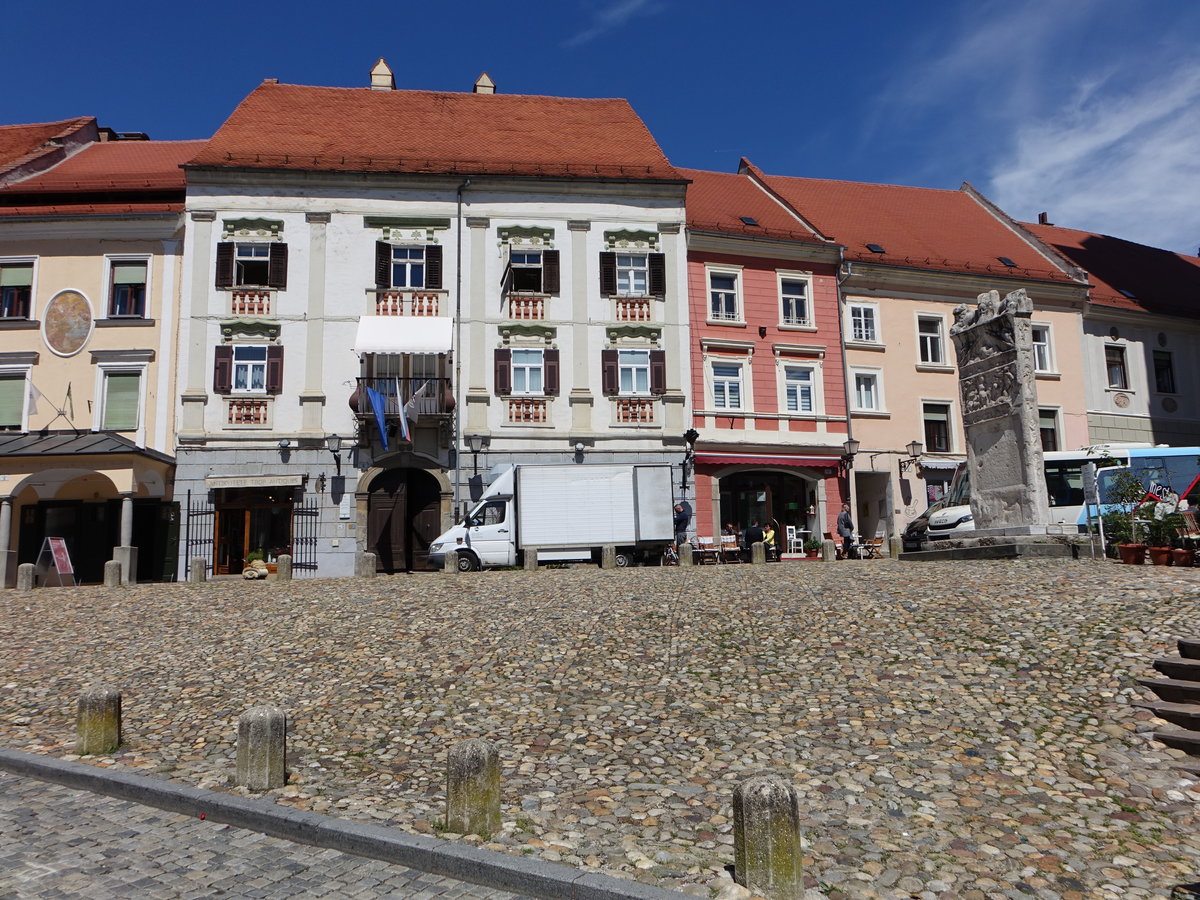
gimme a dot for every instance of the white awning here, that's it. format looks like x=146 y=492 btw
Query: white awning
x=934 y=462
x=403 y=334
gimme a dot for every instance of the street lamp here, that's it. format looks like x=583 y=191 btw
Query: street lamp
x=475 y=443
x=689 y=454
x=849 y=451
x=333 y=444
x=914 y=449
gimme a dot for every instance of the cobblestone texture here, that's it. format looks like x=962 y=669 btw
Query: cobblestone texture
x=64 y=843
x=955 y=730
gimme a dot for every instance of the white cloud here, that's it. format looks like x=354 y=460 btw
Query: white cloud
x=611 y=16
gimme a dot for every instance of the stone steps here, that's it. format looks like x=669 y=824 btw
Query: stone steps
x=1185 y=715
x=1187 y=741
x=1189 y=648
x=1179 y=669
x=1173 y=690
x=1180 y=696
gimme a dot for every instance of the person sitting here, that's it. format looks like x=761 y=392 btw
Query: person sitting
x=753 y=535
x=769 y=540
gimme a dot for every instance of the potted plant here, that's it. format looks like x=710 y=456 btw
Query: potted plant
x=812 y=548
x=1161 y=534
x=1122 y=527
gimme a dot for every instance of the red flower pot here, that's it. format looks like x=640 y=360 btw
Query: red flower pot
x=1132 y=554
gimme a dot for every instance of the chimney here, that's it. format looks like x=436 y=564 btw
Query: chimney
x=1044 y=218
x=381 y=77
x=484 y=84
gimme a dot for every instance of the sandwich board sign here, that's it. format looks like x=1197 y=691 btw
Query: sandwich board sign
x=55 y=557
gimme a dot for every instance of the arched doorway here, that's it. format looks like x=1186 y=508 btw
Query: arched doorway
x=403 y=517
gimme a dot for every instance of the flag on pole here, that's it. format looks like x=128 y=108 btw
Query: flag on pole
x=34 y=396
x=378 y=406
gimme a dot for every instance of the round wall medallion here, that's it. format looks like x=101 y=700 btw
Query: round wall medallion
x=1114 y=333
x=1170 y=404
x=1122 y=400
x=67 y=325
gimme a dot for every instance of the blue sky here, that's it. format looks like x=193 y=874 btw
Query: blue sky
x=1088 y=109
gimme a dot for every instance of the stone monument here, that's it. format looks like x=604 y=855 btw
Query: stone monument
x=994 y=344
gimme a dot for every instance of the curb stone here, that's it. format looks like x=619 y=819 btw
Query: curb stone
x=427 y=854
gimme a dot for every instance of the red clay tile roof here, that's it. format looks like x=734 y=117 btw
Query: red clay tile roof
x=921 y=228
x=284 y=126
x=111 y=178
x=1161 y=281
x=20 y=144
x=717 y=201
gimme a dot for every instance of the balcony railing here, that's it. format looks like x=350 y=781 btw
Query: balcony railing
x=526 y=306
x=412 y=397
x=633 y=309
x=251 y=413
x=250 y=303
x=635 y=410
x=528 y=410
x=408 y=303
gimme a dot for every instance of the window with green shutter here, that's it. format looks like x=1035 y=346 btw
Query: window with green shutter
x=12 y=402
x=121 y=390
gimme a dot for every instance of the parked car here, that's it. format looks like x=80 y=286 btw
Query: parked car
x=915 y=534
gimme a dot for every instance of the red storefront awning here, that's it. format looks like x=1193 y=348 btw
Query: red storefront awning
x=759 y=459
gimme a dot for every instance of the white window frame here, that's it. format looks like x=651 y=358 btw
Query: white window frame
x=524 y=265
x=1056 y=413
x=1124 y=367
x=1048 y=344
x=526 y=368
x=805 y=278
x=950 y=442
x=255 y=256
x=815 y=383
x=636 y=263
x=735 y=272
x=19 y=373
x=877 y=376
x=407 y=263
x=100 y=404
x=32 y=262
x=853 y=306
x=250 y=365
x=625 y=365
x=111 y=262
x=927 y=341
x=710 y=375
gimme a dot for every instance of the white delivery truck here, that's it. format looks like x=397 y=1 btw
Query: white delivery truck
x=566 y=513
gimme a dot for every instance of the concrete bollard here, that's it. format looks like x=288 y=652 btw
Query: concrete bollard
x=828 y=551
x=608 y=557
x=758 y=552
x=364 y=565
x=531 y=560
x=473 y=788
x=98 y=721
x=283 y=567
x=685 y=555
x=768 y=858
x=450 y=563
x=197 y=571
x=26 y=576
x=895 y=546
x=112 y=573
x=262 y=748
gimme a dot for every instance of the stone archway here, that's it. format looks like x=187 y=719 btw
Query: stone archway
x=404 y=515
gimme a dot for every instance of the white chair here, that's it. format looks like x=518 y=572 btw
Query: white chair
x=795 y=542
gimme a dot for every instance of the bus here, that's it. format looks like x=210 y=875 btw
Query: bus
x=1177 y=468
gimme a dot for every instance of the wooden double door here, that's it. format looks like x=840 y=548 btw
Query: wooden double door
x=404 y=516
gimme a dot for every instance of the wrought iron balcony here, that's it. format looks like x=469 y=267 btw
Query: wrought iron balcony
x=411 y=397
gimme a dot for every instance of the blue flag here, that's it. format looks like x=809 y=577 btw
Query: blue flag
x=378 y=405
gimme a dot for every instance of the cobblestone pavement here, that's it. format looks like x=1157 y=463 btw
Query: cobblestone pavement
x=956 y=730
x=59 y=842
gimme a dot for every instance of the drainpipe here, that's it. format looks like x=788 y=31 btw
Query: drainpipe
x=458 y=400
x=844 y=272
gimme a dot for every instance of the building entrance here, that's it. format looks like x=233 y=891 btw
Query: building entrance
x=252 y=520
x=775 y=497
x=404 y=516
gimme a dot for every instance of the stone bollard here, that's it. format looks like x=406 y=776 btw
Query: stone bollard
x=112 y=573
x=531 y=560
x=283 y=567
x=98 y=721
x=766 y=838
x=608 y=557
x=685 y=555
x=758 y=552
x=26 y=576
x=364 y=565
x=473 y=788
x=197 y=571
x=450 y=563
x=895 y=547
x=828 y=551
x=262 y=748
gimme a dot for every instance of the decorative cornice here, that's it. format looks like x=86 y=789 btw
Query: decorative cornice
x=478 y=221
x=317 y=218
x=408 y=228
x=727 y=344
x=232 y=329
x=669 y=228
x=122 y=356
x=579 y=225
x=816 y=350
x=627 y=239
x=526 y=234
x=510 y=330
x=203 y=215
x=19 y=358
x=271 y=228
x=650 y=333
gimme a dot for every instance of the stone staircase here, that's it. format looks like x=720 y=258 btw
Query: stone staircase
x=1179 y=699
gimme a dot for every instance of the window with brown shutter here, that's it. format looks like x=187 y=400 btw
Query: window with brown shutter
x=503 y=371
x=224 y=264
x=608 y=274
x=550 y=280
x=658 y=371
x=277 y=269
x=657 y=264
x=274 y=369
x=383 y=265
x=433 y=267
x=550 y=377
x=609 y=379
x=223 y=369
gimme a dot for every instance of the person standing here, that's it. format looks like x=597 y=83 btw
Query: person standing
x=845 y=528
x=683 y=518
x=753 y=535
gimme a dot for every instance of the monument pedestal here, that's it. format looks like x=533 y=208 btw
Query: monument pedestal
x=1007 y=546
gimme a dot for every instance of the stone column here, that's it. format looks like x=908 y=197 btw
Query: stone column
x=766 y=838
x=112 y=574
x=198 y=570
x=8 y=558
x=828 y=551
x=758 y=552
x=580 y=398
x=312 y=398
x=531 y=560
x=473 y=788
x=26 y=576
x=364 y=565
x=477 y=353
x=450 y=563
x=195 y=338
x=127 y=554
x=685 y=555
x=283 y=567
x=98 y=721
x=262 y=748
x=608 y=557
